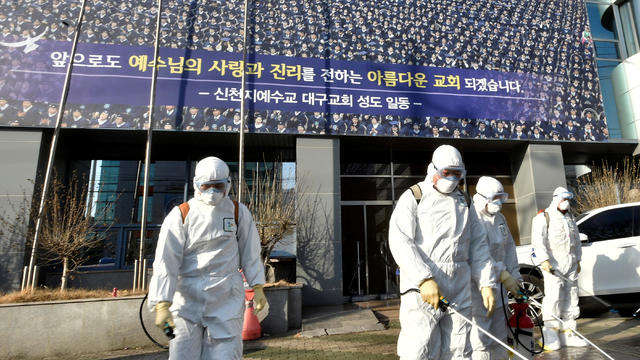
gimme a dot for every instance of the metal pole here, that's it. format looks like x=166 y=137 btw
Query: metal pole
x=147 y=158
x=243 y=109
x=54 y=143
x=358 y=267
x=91 y=193
x=135 y=275
x=36 y=269
x=132 y=219
x=366 y=252
x=24 y=277
x=144 y=274
x=187 y=176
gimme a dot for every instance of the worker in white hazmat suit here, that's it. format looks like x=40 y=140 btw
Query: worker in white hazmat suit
x=439 y=245
x=196 y=286
x=556 y=245
x=487 y=203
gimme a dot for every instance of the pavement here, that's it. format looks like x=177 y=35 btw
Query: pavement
x=618 y=336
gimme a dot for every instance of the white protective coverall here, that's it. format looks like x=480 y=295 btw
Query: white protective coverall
x=196 y=268
x=503 y=252
x=560 y=245
x=439 y=238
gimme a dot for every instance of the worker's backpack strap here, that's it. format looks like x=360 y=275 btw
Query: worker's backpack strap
x=184 y=210
x=467 y=198
x=417 y=192
x=236 y=211
x=546 y=216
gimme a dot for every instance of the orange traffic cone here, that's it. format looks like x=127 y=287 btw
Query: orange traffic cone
x=251 y=329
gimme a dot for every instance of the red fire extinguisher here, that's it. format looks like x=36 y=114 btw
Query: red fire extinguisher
x=522 y=327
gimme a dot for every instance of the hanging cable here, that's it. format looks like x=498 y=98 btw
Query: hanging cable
x=144 y=328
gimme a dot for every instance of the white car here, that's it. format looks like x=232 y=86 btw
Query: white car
x=610 y=255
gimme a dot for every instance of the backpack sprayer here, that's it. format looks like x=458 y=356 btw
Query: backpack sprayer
x=444 y=305
x=521 y=326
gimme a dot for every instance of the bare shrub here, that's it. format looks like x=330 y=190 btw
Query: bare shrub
x=69 y=225
x=55 y=295
x=272 y=207
x=608 y=185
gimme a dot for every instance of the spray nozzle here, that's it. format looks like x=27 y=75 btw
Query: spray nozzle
x=443 y=303
x=524 y=295
x=168 y=330
x=522 y=298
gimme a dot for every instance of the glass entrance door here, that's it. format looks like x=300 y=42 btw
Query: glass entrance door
x=367 y=265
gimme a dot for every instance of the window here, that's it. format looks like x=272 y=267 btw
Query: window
x=608 y=225
x=627 y=20
x=605 y=68
x=105 y=255
x=598 y=31
x=362 y=188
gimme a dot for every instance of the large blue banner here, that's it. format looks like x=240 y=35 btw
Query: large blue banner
x=121 y=75
x=474 y=69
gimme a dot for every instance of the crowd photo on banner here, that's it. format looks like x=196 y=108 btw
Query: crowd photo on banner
x=547 y=38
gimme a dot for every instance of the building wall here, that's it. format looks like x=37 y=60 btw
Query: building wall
x=626 y=86
x=537 y=172
x=319 y=244
x=19 y=153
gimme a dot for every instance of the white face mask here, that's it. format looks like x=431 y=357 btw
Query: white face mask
x=494 y=207
x=446 y=185
x=564 y=206
x=210 y=198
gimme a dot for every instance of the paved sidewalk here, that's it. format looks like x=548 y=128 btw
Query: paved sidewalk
x=620 y=337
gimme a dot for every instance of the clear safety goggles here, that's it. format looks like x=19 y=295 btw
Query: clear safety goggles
x=451 y=173
x=212 y=185
x=565 y=195
x=501 y=196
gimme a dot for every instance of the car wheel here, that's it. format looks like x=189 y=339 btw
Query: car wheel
x=534 y=287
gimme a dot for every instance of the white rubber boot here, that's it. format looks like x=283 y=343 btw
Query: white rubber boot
x=551 y=338
x=570 y=338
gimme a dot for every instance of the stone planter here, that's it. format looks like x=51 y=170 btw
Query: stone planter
x=67 y=328
x=285 y=309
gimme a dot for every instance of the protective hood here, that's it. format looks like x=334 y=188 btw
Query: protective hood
x=486 y=189
x=559 y=194
x=444 y=156
x=431 y=171
x=210 y=169
x=447 y=156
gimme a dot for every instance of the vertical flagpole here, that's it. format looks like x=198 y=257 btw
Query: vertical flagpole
x=147 y=159
x=54 y=145
x=243 y=108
